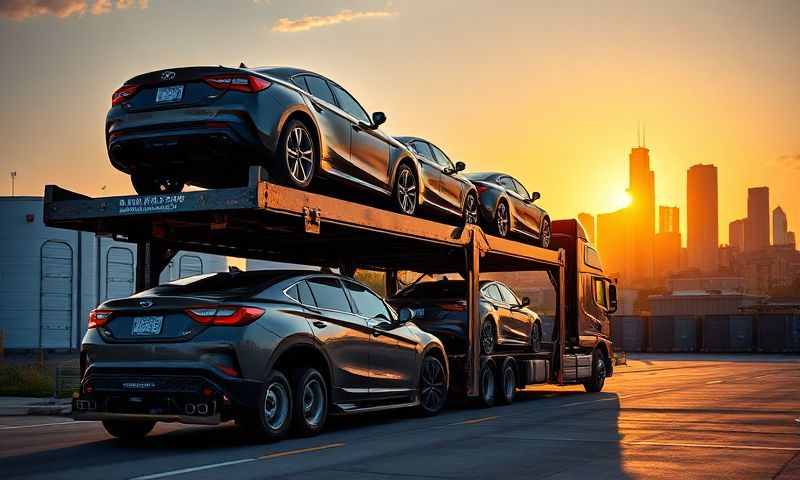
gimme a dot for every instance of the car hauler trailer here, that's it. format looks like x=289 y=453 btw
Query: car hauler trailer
x=266 y=221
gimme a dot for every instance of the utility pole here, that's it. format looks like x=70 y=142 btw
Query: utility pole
x=13 y=177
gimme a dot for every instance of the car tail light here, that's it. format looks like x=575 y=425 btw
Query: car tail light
x=229 y=371
x=239 y=83
x=459 y=306
x=123 y=93
x=225 y=315
x=99 y=318
x=482 y=188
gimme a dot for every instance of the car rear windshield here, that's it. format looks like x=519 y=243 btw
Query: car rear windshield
x=480 y=176
x=227 y=283
x=441 y=289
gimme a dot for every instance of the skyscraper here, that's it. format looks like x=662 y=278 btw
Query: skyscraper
x=613 y=243
x=667 y=253
x=736 y=234
x=780 y=229
x=587 y=221
x=668 y=219
x=641 y=214
x=702 y=218
x=756 y=230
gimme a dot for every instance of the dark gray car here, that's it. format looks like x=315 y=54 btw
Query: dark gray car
x=270 y=349
x=205 y=125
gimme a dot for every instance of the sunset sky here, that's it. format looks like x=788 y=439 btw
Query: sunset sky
x=551 y=92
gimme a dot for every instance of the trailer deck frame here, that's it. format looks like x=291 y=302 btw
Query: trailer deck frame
x=271 y=222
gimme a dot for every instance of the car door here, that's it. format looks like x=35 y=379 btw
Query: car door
x=492 y=293
x=532 y=212
x=520 y=323
x=392 y=353
x=452 y=185
x=431 y=171
x=345 y=337
x=335 y=127
x=518 y=206
x=369 y=147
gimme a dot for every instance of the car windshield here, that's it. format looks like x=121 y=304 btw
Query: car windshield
x=441 y=289
x=227 y=283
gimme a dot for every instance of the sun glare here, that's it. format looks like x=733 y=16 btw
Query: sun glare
x=622 y=199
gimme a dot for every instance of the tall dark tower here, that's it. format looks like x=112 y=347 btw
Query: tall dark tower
x=641 y=213
x=702 y=211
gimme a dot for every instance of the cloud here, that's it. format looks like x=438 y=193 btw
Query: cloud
x=307 y=23
x=23 y=9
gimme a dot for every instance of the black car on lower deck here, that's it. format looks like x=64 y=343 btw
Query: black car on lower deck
x=270 y=349
x=440 y=308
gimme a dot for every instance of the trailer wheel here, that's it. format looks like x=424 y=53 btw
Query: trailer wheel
x=595 y=384
x=507 y=382
x=128 y=430
x=487 y=385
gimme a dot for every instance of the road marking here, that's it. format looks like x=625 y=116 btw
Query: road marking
x=299 y=451
x=210 y=466
x=71 y=422
x=654 y=392
x=474 y=421
x=654 y=444
x=714 y=382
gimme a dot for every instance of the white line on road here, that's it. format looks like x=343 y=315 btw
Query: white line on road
x=714 y=382
x=652 y=443
x=71 y=422
x=634 y=395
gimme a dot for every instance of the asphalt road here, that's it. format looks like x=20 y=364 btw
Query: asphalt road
x=657 y=419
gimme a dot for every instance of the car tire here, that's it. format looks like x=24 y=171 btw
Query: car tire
x=296 y=161
x=545 y=233
x=506 y=382
x=502 y=220
x=125 y=430
x=406 y=190
x=488 y=337
x=598 y=379
x=310 y=402
x=432 y=386
x=536 y=338
x=470 y=211
x=273 y=418
x=487 y=383
x=149 y=184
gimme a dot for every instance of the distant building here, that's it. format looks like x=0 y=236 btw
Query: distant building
x=756 y=230
x=642 y=215
x=613 y=242
x=587 y=220
x=669 y=219
x=780 y=227
x=702 y=218
x=694 y=283
x=768 y=269
x=700 y=303
x=790 y=239
x=736 y=234
x=667 y=242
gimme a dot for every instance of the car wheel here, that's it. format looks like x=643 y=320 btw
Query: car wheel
x=406 y=190
x=545 y=234
x=272 y=419
x=432 y=386
x=507 y=382
x=502 y=220
x=310 y=402
x=536 y=337
x=470 y=215
x=297 y=158
x=487 y=385
x=488 y=337
x=128 y=430
x=595 y=384
x=148 y=184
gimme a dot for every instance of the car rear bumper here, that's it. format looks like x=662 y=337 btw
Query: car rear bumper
x=133 y=417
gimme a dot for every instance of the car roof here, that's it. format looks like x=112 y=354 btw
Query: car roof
x=285 y=73
x=485 y=175
x=408 y=138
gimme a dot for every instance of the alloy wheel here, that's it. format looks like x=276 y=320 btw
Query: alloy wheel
x=502 y=219
x=300 y=155
x=313 y=402
x=276 y=406
x=545 y=235
x=509 y=383
x=487 y=337
x=407 y=191
x=432 y=389
x=471 y=209
x=536 y=338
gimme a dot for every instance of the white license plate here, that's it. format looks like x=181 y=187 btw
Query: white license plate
x=143 y=326
x=169 y=94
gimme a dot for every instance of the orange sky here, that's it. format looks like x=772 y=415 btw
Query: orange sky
x=551 y=94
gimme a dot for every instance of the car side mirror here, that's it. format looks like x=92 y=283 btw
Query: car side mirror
x=535 y=196
x=378 y=119
x=405 y=315
x=460 y=166
x=525 y=302
x=612 y=298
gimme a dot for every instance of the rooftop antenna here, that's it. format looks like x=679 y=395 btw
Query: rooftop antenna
x=13 y=177
x=639 y=133
x=644 y=135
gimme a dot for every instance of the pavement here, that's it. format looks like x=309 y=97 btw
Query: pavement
x=693 y=417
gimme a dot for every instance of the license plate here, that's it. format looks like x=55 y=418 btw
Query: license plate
x=169 y=94
x=143 y=326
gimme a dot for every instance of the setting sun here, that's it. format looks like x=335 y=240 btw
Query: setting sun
x=621 y=199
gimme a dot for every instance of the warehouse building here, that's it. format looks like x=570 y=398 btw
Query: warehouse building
x=51 y=278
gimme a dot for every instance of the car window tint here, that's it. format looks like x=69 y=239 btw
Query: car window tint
x=508 y=183
x=329 y=294
x=349 y=104
x=304 y=295
x=300 y=81
x=423 y=150
x=508 y=295
x=367 y=303
x=521 y=190
x=292 y=293
x=494 y=293
x=441 y=158
x=319 y=88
